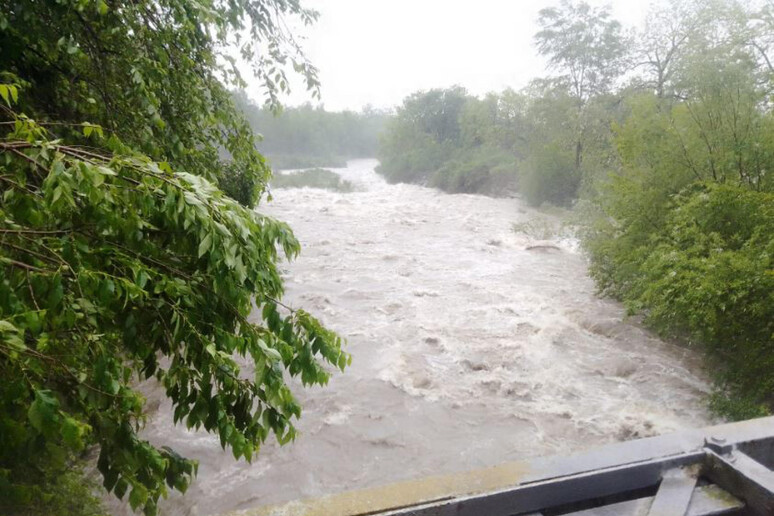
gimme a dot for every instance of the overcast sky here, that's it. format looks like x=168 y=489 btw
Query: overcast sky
x=378 y=51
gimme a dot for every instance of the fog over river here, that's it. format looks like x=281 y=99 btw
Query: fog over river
x=469 y=349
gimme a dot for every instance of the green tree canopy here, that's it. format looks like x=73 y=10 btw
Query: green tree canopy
x=584 y=44
x=587 y=49
x=155 y=73
x=121 y=260
x=683 y=232
x=423 y=132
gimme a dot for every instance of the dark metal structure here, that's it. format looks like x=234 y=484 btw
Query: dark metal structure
x=720 y=470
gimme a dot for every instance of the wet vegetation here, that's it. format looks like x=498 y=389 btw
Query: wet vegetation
x=122 y=260
x=311 y=178
x=132 y=244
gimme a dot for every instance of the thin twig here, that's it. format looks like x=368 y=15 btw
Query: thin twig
x=32 y=293
x=25 y=266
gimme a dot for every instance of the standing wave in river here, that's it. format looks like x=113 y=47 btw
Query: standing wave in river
x=472 y=345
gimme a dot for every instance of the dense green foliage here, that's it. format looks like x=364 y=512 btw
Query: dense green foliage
x=123 y=261
x=667 y=137
x=451 y=140
x=147 y=71
x=709 y=275
x=57 y=492
x=684 y=231
x=305 y=136
x=684 y=227
x=311 y=178
x=527 y=141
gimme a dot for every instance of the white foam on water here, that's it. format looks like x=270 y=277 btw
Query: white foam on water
x=469 y=349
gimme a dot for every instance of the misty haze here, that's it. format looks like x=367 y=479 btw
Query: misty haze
x=360 y=257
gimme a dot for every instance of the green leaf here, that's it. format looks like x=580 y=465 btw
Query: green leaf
x=270 y=352
x=120 y=488
x=4 y=92
x=138 y=496
x=73 y=432
x=43 y=411
x=204 y=245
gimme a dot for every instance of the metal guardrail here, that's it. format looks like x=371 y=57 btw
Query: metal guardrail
x=721 y=470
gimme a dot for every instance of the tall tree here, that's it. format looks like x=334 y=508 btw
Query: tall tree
x=587 y=48
x=762 y=25
x=662 y=43
x=423 y=133
x=436 y=112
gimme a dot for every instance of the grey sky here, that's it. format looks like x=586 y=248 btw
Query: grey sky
x=378 y=51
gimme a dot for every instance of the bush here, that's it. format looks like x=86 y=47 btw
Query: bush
x=486 y=171
x=422 y=136
x=51 y=490
x=411 y=158
x=549 y=176
x=239 y=184
x=705 y=275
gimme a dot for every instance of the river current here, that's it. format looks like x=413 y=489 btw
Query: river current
x=473 y=344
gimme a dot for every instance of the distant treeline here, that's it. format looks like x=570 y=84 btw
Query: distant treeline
x=307 y=136
x=506 y=141
x=663 y=139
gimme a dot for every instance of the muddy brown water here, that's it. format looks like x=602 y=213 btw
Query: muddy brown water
x=473 y=344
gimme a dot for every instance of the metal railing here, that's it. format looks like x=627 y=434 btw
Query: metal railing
x=724 y=469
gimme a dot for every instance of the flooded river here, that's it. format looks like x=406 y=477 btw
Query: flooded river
x=472 y=343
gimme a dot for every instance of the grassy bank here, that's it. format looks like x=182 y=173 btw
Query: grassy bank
x=311 y=178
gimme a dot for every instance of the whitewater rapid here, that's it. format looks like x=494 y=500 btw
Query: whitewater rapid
x=469 y=349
